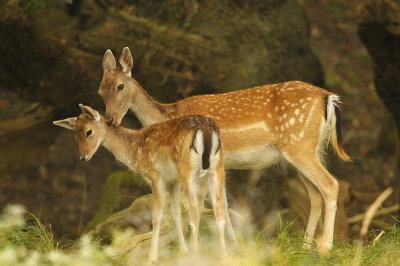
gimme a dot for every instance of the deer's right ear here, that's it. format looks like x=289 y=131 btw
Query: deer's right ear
x=68 y=123
x=109 y=61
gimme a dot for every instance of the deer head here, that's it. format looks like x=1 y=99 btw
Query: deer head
x=117 y=88
x=89 y=131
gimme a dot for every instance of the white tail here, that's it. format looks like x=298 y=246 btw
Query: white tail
x=259 y=127
x=184 y=152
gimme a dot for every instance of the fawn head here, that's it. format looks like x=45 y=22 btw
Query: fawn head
x=88 y=130
x=117 y=88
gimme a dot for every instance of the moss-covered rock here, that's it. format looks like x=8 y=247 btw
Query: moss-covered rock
x=189 y=47
x=379 y=30
x=111 y=198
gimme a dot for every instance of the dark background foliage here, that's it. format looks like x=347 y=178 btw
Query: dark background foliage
x=50 y=60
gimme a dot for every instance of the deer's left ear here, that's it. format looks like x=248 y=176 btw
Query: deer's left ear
x=126 y=61
x=90 y=112
x=68 y=123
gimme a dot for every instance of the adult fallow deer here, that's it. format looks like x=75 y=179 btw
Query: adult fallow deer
x=260 y=126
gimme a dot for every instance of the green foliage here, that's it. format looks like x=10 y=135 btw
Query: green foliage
x=32 y=5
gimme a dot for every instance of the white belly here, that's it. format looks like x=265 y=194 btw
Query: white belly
x=254 y=158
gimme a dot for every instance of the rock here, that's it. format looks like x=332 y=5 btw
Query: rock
x=379 y=30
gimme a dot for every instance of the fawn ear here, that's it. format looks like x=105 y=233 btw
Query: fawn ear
x=90 y=112
x=68 y=123
x=109 y=61
x=126 y=61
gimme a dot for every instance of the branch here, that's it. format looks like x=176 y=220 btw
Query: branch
x=359 y=217
x=370 y=213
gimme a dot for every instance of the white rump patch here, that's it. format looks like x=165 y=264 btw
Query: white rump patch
x=197 y=151
x=333 y=100
x=198 y=142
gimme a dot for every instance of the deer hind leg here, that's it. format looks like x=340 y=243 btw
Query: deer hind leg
x=177 y=216
x=201 y=193
x=190 y=187
x=216 y=188
x=315 y=211
x=309 y=164
x=159 y=196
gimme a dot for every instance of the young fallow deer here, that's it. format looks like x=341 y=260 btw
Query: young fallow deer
x=184 y=152
x=260 y=127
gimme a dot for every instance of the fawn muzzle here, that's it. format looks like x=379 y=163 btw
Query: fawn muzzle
x=84 y=157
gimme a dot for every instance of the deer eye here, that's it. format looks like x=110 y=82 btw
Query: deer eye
x=120 y=87
x=88 y=133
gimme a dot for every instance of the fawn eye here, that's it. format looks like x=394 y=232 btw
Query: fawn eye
x=88 y=133
x=120 y=87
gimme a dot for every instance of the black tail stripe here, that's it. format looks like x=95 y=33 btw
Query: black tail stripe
x=338 y=126
x=207 y=150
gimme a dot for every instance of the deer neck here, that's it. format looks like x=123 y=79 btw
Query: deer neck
x=120 y=142
x=148 y=110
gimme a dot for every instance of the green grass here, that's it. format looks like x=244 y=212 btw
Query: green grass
x=24 y=240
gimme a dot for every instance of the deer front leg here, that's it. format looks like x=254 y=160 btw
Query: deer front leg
x=159 y=195
x=229 y=226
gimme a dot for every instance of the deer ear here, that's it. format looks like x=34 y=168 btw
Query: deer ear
x=68 y=123
x=126 y=61
x=90 y=112
x=109 y=61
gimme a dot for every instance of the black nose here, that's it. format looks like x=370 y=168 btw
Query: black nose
x=110 y=122
x=83 y=158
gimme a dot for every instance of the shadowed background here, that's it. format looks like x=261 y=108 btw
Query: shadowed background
x=50 y=60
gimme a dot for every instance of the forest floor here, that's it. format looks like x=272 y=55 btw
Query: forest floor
x=25 y=241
